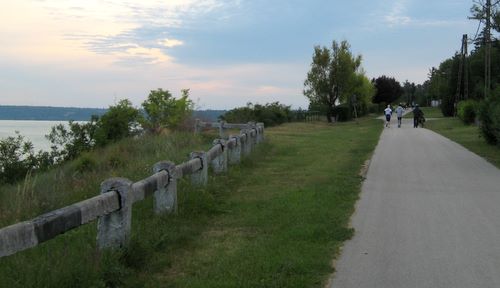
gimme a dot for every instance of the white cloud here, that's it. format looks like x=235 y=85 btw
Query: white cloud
x=75 y=30
x=396 y=16
x=147 y=55
x=169 y=43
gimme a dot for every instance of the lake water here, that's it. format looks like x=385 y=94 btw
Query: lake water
x=33 y=131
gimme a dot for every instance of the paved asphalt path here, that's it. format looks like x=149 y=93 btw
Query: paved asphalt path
x=428 y=216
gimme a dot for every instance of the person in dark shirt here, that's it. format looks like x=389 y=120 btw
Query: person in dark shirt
x=417 y=116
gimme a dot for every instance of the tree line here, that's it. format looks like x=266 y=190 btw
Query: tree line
x=337 y=86
x=481 y=100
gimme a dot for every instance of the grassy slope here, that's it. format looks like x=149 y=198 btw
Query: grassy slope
x=288 y=214
x=468 y=136
x=277 y=220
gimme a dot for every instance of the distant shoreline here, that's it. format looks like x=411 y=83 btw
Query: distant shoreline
x=48 y=113
x=51 y=113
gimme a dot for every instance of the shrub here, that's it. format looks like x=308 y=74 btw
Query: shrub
x=270 y=114
x=163 y=110
x=466 y=111
x=342 y=113
x=15 y=156
x=373 y=108
x=70 y=143
x=18 y=158
x=120 y=121
x=489 y=115
x=85 y=163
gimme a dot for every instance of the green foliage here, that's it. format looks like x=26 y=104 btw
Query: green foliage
x=271 y=114
x=466 y=111
x=68 y=144
x=362 y=91
x=449 y=70
x=443 y=81
x=164 y=111
x=333 y=76
x=342 y=113
x=387 y=88
x=121 y=121
x=85 y=163
x=373 y=108
x=489 y=115
x=16 y=158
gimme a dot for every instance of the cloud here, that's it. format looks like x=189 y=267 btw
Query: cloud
x=114 y=29
x=143 y=54
x=169 y=43
x=396 y=15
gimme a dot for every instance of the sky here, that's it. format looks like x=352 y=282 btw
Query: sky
x=227 y=52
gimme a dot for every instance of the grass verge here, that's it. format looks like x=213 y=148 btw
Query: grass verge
x=277 y=220
x=468 y=136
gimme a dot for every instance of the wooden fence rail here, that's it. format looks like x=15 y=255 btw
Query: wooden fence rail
x=223 y=125
x=113 y=207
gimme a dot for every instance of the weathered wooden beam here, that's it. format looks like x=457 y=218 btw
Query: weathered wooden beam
x=28 y=234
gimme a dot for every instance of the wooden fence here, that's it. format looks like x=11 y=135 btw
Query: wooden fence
x=305 y=116
x=113 y=207
x=199 y=126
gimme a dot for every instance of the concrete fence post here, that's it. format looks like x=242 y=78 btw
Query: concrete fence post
x=259 y=134
x=221 y=129
x=253 y=134
x=244 y=142
x=234 y=154
x=247 y=142
x=219 y=164
x=165 y=197
x=260 y=126
x=197 y=126
x=113 y=230
x=200 y=177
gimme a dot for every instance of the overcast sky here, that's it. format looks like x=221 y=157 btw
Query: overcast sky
x=227 y=52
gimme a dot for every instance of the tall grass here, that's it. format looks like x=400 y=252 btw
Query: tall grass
x=277 y=220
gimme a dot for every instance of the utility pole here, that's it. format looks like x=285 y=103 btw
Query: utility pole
x=487 y=53
x=466 y=67
x=484 y=13
x=463 y=74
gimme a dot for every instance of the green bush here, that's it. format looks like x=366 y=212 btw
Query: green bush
x=271 y=114
x=120 y=121
x=489 y=115
x=162 y=110
x=17 y=158
x=342 y=113
x=69 y=143
x=85 y=163
x=466 y=111
x=373 y=108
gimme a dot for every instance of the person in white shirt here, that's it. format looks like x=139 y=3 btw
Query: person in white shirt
x=388 y=113
x=399 y=113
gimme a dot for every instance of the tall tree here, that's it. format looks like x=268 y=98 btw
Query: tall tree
x=120 y=121
x=409 y=89
x=332 y=76
x=387 y=88
x=163 y=110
